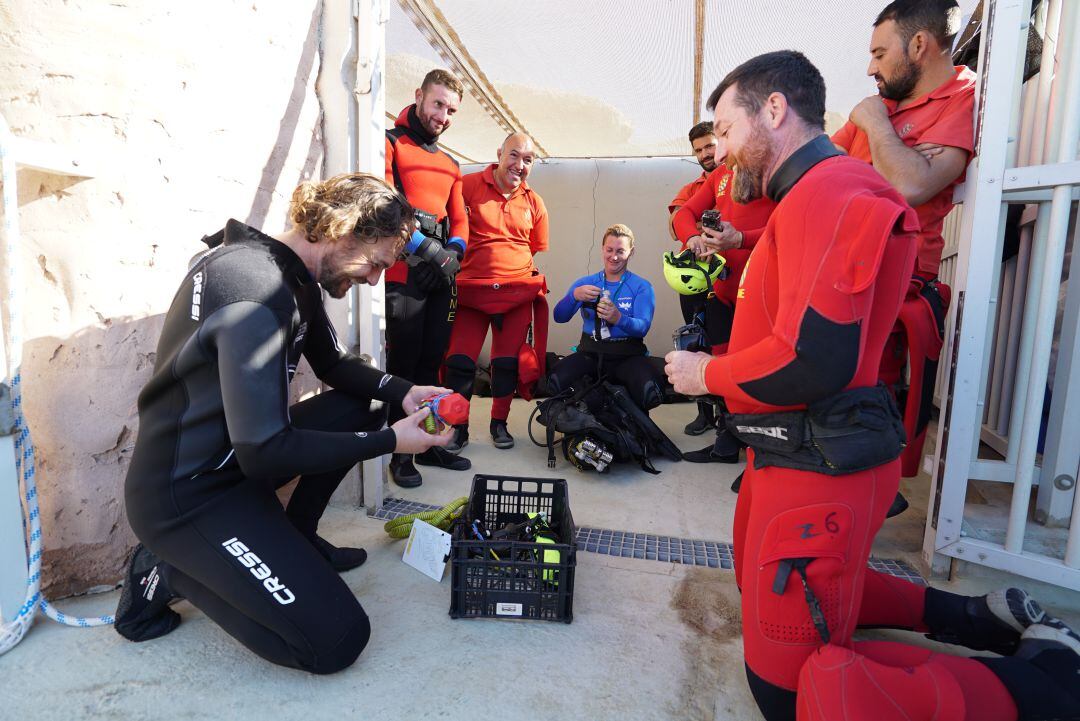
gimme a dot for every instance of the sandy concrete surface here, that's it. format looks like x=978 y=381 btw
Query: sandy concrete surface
x=649 y=639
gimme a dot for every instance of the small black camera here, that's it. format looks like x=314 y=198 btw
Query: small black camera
x=691 y=337
x=711 y=219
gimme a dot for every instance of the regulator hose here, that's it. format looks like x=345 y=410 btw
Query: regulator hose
x=401 y=526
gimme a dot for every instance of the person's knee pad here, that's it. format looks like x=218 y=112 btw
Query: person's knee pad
x=837 y=682
x=460 y=374
x=504 y=376
x=345 y=652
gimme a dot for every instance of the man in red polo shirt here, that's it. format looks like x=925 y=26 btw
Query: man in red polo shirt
x=703 y=145
x=420 y=300
x=924 y=103
x=499 y=284
x=741 y=225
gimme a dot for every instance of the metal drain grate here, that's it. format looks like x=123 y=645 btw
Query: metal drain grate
x=651 y=547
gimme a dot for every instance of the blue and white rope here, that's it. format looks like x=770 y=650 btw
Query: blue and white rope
x=11 y=633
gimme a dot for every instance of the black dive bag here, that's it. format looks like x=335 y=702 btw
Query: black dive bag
x=600 y=424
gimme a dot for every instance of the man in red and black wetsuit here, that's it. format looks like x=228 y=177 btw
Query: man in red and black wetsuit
x=818 y=298
x=420 y=300
x=498 y=284
x=918 y=132
x=740 y=227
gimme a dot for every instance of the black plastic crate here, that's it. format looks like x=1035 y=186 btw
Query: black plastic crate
x=519 y=583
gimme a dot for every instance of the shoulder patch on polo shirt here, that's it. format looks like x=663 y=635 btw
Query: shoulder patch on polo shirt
x=723 y=186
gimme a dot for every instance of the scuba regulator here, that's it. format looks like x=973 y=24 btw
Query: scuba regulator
x=447 y=409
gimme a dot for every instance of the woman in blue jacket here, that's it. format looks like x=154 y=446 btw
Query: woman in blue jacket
x=617 y=308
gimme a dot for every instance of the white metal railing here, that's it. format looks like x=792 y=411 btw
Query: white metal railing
x=1001 y=329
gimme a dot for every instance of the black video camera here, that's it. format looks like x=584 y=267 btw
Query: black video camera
x=711 y=219
x=692 y=337
x=427 y=246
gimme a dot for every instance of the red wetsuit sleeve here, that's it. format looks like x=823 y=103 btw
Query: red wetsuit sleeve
x=827 y=266
x=845 y=135
x=685 y=221
x=751 y=237
x=538 y=236
x=389 y=172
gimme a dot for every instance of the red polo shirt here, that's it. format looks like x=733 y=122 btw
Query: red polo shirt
x=687 y=192
x=944 y=116
x=504 y=232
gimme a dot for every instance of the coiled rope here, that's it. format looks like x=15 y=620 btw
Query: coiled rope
x=13 y=632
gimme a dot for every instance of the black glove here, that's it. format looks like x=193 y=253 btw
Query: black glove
x=427 y=277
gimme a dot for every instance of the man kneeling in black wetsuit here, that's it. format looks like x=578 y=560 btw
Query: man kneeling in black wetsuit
x=217 y=435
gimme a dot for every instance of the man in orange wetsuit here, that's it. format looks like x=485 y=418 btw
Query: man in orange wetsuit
x=420 y=300
x=740 y=227
x=818 y=299
x=924 y=104
x=499 y=285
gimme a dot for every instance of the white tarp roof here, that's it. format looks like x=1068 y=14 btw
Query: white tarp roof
x=615 y=78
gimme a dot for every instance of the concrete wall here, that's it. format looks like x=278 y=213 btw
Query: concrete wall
x=186 y=114
x=585 y=196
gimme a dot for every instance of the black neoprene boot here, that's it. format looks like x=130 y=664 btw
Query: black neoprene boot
x=342 y=559
x=500 y=435
x=899 y=505
x=461 y=439
x=143 y=612
x=703 y=422
x=724 y=449
x=993 y=622
x=1042 y=675
x=438 y=457
x=404 y=472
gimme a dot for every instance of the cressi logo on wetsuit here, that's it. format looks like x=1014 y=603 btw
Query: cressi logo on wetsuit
x=259 y=570
x=196 y=294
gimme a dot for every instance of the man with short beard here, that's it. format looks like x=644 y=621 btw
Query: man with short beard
x=421 y=301
x=924 y=104
x=741 y=225
x=817 y=301
x=703 y=145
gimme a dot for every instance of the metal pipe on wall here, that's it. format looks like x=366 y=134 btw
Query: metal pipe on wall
x=1066 y=91
x=1048 y=136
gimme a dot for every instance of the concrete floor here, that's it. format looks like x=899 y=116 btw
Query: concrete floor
x=649 y=639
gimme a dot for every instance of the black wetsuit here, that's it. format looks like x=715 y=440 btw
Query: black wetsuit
x=217 y=437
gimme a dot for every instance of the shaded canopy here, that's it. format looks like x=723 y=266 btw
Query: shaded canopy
x=612 y=78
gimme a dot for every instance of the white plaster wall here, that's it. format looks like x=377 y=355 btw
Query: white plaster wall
x=186 y=114
x=583 y=197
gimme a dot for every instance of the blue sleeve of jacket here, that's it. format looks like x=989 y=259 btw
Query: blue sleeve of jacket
x=635 y=323
x=568 y=307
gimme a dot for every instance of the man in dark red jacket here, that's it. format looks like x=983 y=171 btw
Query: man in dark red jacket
x=420 y=301
x=818 y=299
